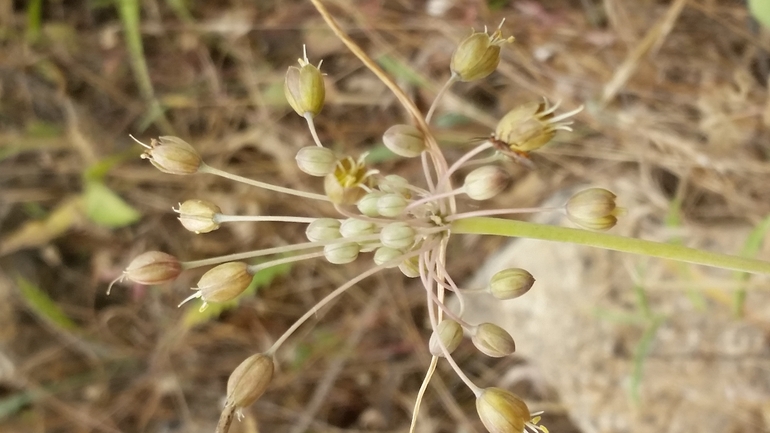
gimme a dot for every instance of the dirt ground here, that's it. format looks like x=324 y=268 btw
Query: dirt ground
x=676 y=122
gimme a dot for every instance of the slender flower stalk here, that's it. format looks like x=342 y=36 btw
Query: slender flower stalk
x=264 y=185
x=263 y=218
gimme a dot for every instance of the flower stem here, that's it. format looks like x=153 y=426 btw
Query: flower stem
x=512 y=228
x=217 y=172
x=330 y=297
x=220 y=218
x=440 y=93
x=311 y=125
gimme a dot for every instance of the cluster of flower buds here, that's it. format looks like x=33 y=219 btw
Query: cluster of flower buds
x=402 y=225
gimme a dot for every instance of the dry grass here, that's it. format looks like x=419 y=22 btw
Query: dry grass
x=677 y=108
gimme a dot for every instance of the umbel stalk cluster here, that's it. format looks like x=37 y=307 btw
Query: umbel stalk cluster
x=400 y=226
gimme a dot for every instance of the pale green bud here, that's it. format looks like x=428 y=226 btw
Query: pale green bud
x=404 y=140
x=593 y=209
x=249 y=380
x=385 y=254
x=391 y=205
x=199 y=216
x=493 y=340
x=486 y=182
x=501 y=411
x=398 y=235
x=224 y=282
x=477 y=56
x=340 y=254
x=323 y=229
x=316 y=161
x=304 y=88
x=396 y=184
x=368 y=204
x=450 y=333
x=510 y=283
x=410 y=267
x=172 y=155
x=353 y=227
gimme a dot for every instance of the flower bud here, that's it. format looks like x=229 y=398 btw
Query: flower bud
x=493 y=341
x=478 y=55
x=316 y=161
x=367 y=205
x=340 y=254
x=486 y=182
x=450 y=333
x=249 y=380
x=404 y=140
x=410 y=267
x=304 y=88
x=398 y=235
x=501 y=411
x=323 y=229
x=530 y=126
x=199 y=216
x=593 y=209
x=224 y=282
x=391 y=205
x=385 y=254
x=395 y=184
x=173 y=155
x=150 y=268
x=510 y=283
x=345 y=184
x=353 y=227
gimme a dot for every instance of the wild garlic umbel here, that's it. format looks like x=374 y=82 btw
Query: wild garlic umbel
x=402 y=227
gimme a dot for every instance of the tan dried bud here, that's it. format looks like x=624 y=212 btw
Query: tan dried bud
x=224 y=282
x=493 y=341
x=316 y=161
x=150 y=268
x=450 y=333
x=530 y=126
x=510 y=283
x=404 y=140
x=486 y=182
x=172 y=155
x=502 y=411
x=593 y=209
x=304 y=88
x=478 y=55
x=345 y=185
x=249 y=380
x=199 y=216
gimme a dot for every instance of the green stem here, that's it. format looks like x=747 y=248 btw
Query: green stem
x=503 y=227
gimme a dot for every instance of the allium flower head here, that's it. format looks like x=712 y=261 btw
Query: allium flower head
x=386 y=218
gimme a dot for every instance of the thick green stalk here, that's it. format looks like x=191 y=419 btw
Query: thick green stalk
x=521 y=229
